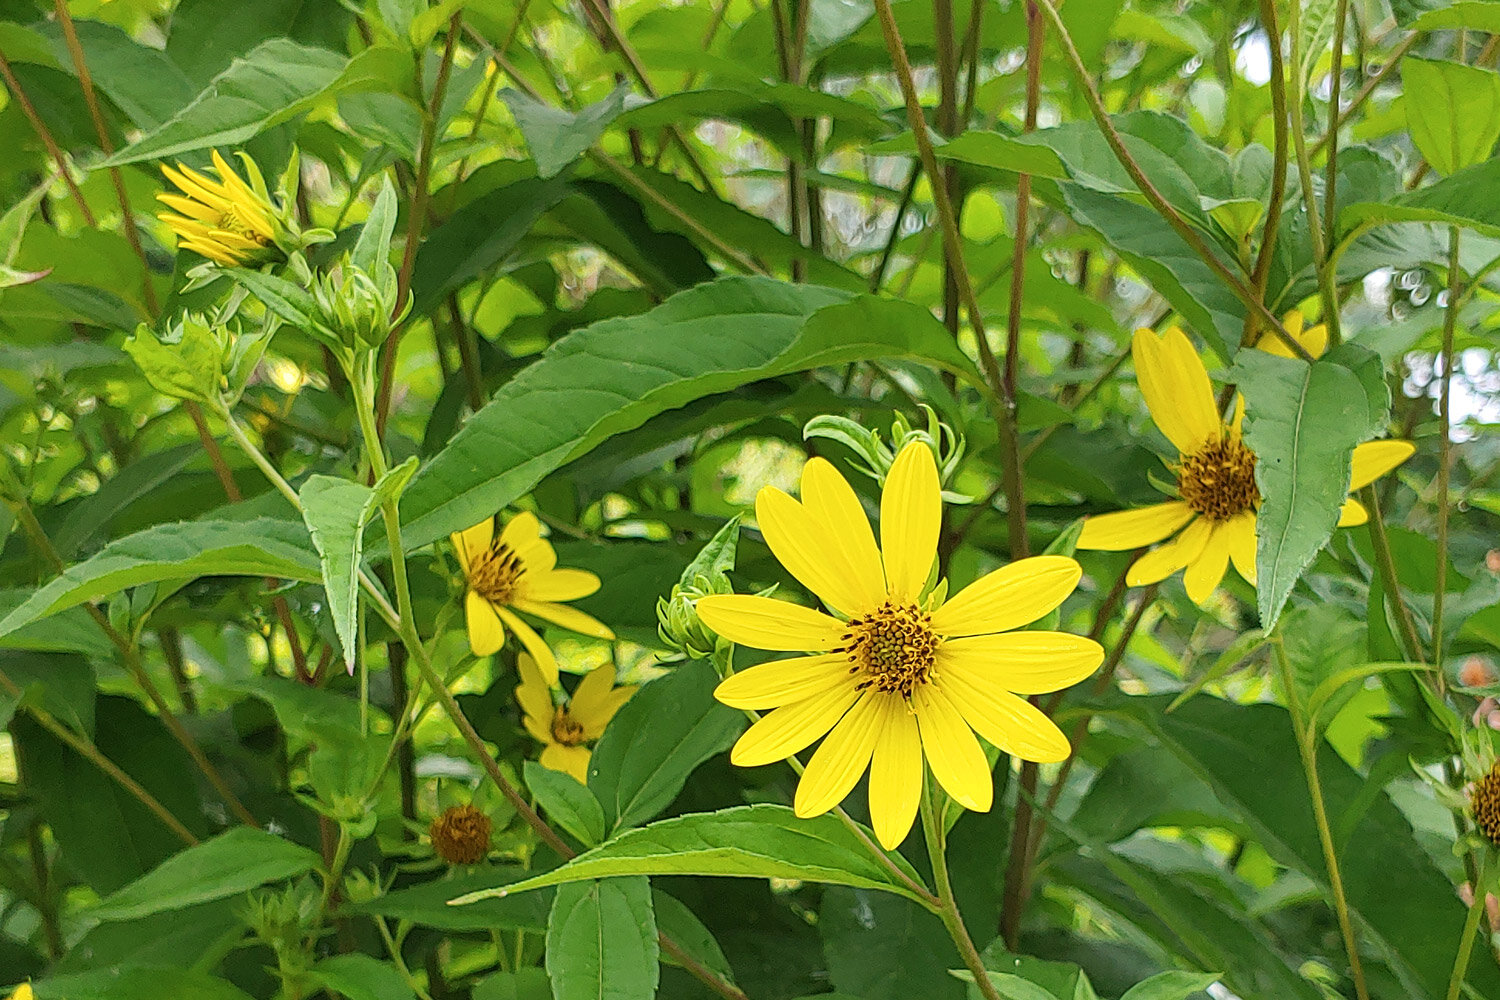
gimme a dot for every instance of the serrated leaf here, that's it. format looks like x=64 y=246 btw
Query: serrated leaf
x=1469 y=198
x=601 y=941
x=761 y=841
x=1452 y=111
x=185 y=550
x=427 y=904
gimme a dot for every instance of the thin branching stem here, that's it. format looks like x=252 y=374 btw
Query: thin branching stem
x=937 y=852
x=1445 y=452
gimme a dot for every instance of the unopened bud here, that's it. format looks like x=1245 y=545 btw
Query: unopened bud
x=358 y=306
x=677 y=619
x=874 y=457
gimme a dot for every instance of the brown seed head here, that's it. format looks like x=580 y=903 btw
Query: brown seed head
x=1484 y=801
x=461 y=835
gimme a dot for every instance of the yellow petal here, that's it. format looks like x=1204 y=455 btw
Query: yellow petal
x=771 y=685
x=1176 y=387
x=956 y=758
x=1314 y=339
x=546 y=662
x=1352 y=513
x=568 y=618
x=834 y=506
x=198 y=187
x=217 y=254
x=1023 y=662
x=1130 y=529
x=763 y=623
x=802 y=545
x=792 y=728
x=835 y=768
x=534 y=696
x=557 y=584
x=600 y=715
x=591 y=694
x=523 y=536
x=1205 y=572
x=473 y=542
x=1162 y=562
x=911 y=513
x=1374 y=459
x=569 y=760
x=1011 y=723
x=1008 y=598
x=895 y=774
x=486 y=634
x=1240 y=535
x=191 y=208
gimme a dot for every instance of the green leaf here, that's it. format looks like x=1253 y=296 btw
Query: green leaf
x=1171 y=986
x=656 y=740
x=188 y=369
x=336 y=511
x=556 y=137
x=373 y=248
x=290 y=302
x=884 y=947
x=571 y=805
x=140 y=982
x=614 y=375
x=1476 y=15
x=523 y=984
x=427 y=904
x=1470 y=198
x=143 y=82
x=1315 y=31
x=682 y=925
x=71 y=631
x=185 y=550
x=1452 y=110
x=1013 y=987
x=761 y=841
x=1302 y=421
x=234 y=861
x=717 y=556
x=601 y=941
x=360 y=977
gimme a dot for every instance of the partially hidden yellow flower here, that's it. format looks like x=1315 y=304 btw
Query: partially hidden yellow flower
x=894 y=679
x=518 y=572
x=227 y=220
x=1214 y=521
x=23 y=992
x=566 y=731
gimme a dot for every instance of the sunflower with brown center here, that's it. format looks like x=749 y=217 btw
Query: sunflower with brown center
x=566 y=730
x=1214 y=520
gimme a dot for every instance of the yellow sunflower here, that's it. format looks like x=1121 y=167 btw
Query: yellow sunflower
x=1214 y=521
x=23 y=992
x=566 y=730
x=895 y=678
x=226 y=220
x=519 y=571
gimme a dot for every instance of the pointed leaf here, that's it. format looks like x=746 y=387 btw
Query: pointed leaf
x=556 y=137
x=601 y=941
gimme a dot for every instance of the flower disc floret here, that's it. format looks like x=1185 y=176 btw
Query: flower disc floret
x=892 y=649
x=461 y=835
x=1218 y=480
x=1484 y=803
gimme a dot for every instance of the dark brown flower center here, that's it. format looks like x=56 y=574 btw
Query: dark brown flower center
x=495 y=574
x=1484 y=800
x=893 y=647
x=1218 y=480
x=461 y=835
x=566 y=729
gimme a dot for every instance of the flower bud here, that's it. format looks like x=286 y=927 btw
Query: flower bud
x=875 y=457
x=677 y=620
x=359 y=307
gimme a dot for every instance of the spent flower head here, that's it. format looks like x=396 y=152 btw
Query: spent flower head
x=461 y=835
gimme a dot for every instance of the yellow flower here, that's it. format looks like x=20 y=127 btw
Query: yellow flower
x=226 y=220
x=518 y=570
x=894 y=679
x=566 y=730
x=1214 y=521
x=23 y=992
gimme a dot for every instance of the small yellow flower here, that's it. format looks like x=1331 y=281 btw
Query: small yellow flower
x=226 y=220
x=23 y=992
x=566 y=730
x=519 y=571
x=1214 y=521
x=461 y=835
x=894 y=679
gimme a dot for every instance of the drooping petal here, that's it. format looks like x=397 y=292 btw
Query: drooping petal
x=523 y=536
x=1023 y=662
x=569 y=760
x=546 y=662
x=1240 y=532
x=1009 y=597
x=835 y=508
x=803 y=545
x=486 y=634
x=557 y=584
x=1009 y=722
x=792 y=728
x=895 y=774
x=1163 y=561
x=534 y=697
x=1374 y=459
x=845 y=753
x=771 y=685
x=472 y=543
x=956 y=758
x=1352 y=514
x=600 y=715
x=591 y=694
x=1130 y=529
x=191 y=208
x=1205 y=572
x=764 y=623
x=1176 y=387
x=911 y=513
x=568 y=618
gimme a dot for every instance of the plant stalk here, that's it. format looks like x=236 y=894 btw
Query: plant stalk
x=937 y=852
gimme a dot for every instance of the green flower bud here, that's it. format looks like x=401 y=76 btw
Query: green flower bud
x=873 y=457
x=677 y=620
x=361 y=308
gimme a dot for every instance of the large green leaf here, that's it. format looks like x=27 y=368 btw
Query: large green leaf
x=1452 y=111
x=234 y=861
x=361 y=977
x=260 y=547
x=601 y=941
x=1470 y=198
x=142 y=81
x=656 y=740
x=883 y=947
x=556 y=137
x=427 y=904
x=614 y=375
x=141 y=982
x=762 y=841
x=1302 y=421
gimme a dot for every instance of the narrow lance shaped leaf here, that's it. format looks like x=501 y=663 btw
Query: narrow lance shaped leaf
x=374 y=244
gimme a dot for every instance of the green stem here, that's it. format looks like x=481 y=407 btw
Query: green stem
x=1326 y=290
x=1385 y=565
x=937 y=851
x=1445 y=456
x=1307 y=735
x=1471 y=924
